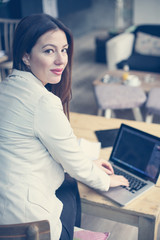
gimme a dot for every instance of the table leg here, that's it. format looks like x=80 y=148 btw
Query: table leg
x=137 y=114
x=100 y=112
x=149 y=118
x=108 y=113
x=147 y=229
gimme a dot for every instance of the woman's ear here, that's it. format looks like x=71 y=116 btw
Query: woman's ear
x=26 y=59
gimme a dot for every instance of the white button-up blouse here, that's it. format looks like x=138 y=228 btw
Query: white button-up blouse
x=36 y=144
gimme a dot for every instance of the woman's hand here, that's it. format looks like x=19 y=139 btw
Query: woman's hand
x=115 y=180
x=105 y=166
x=118 y=180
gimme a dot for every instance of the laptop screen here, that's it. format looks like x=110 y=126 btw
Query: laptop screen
x=138 y=152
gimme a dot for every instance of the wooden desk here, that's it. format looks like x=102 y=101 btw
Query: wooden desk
x=148 y=80
x=143 y=212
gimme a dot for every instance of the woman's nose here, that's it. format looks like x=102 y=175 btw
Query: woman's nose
x=59 y=60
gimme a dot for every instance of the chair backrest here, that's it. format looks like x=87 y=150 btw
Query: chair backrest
x=26 y=231
x=7 y=29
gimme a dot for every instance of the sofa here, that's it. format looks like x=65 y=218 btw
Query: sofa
x=138 y=47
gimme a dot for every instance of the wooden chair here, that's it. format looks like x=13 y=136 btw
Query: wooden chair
x=26 y=231
x=7 y=28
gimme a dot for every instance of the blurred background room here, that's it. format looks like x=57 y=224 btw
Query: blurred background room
x=93 y=23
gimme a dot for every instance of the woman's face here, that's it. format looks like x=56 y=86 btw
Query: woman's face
x=48 y=57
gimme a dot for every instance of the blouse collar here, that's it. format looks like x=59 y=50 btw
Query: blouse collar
x=25 y=75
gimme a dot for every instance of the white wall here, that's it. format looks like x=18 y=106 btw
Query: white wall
x=146 y=11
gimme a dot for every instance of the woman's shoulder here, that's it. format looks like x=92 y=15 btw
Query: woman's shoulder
x=48 y=100
x=31 y=90
x=25 y=79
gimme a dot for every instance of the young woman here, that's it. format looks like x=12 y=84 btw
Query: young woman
x=37 y=144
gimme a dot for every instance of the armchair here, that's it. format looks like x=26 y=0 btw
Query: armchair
x=139 y=48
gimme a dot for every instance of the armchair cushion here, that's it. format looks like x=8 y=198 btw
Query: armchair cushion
x=119 y=48
x=141 y=62
x=152 y=29
x=147 y=44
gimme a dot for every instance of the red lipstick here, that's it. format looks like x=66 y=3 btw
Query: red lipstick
x=57 y=71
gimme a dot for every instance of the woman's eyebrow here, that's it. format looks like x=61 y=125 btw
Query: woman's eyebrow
x=52 y=45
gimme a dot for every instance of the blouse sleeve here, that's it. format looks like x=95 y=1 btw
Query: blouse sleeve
x=54 y=131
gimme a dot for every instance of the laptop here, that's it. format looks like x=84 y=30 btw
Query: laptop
x=136 y=155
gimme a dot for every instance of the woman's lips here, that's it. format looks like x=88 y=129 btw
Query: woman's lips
x=57 y=71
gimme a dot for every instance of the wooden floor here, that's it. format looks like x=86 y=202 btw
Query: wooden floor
x=85 y=71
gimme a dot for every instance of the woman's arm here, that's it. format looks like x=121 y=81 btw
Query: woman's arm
x=54 y=131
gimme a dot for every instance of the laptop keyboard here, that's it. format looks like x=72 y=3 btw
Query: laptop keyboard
x=134 y=183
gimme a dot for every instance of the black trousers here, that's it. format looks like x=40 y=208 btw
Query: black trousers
x=71 y=214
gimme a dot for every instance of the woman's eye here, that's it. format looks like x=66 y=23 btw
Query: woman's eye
x=49 y=51
x=65 y=50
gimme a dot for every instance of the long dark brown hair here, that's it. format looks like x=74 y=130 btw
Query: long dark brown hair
x=28 y=31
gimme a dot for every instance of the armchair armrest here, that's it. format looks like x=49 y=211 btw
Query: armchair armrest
x=119 y=48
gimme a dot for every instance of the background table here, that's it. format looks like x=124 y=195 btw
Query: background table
x=148 y=80
x=143 y=212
